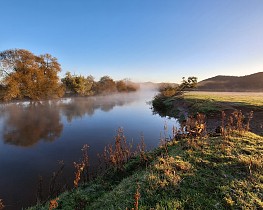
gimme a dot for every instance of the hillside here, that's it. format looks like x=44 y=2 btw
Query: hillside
x=253 y=82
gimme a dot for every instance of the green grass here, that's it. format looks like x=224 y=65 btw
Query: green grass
x=212 y=103
x=209 y=173
x=242 y=98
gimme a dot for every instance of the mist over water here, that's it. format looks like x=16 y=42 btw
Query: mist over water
x=35 y=136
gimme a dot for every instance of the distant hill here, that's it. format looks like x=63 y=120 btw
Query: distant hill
x=149 y=85
x=253 y=82
x=154 y=86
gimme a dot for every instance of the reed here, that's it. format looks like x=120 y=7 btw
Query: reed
x=137 y=197
x=1 y=204
x=79 y=169
x=54 y=187
x=85 y=160
x=141 y=149
x=40 y=190
x=118 y=154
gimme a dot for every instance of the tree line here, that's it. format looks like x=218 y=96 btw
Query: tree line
x=24 y=75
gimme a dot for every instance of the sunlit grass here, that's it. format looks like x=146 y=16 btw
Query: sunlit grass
x=245 y=98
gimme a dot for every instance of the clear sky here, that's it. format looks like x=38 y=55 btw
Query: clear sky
x=144 y=40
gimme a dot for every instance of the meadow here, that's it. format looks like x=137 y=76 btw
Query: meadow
x=235 y=98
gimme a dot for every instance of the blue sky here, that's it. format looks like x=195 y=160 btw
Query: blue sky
x=144 y=40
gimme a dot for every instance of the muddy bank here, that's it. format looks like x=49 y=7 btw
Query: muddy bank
x=182 y=108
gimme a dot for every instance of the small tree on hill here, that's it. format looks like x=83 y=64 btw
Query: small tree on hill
x=169 y=90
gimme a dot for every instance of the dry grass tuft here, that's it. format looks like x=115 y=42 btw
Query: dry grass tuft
x=235 y=122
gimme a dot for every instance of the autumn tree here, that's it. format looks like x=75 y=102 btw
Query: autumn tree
x=105 y=85
x=78 y=84
x=121 y=86
x=25 y=75
x=126 y=85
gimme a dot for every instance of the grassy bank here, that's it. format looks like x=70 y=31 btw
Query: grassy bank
x=223 y=172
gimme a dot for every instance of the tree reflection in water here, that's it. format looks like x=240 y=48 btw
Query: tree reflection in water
x=77 y=107
x=26 y=124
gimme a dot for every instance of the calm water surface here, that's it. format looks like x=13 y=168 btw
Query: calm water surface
x=34 y=137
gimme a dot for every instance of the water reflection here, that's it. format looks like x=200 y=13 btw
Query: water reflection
x=79 y=107
x=25 y=125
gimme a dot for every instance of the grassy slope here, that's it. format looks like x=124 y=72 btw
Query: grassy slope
x=211 y=173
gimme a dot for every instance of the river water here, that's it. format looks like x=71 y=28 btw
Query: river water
x=34 y=137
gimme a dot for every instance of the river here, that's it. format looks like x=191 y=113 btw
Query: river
x=34 y=137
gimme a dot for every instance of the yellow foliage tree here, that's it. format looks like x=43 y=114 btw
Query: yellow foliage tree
x=25 y=75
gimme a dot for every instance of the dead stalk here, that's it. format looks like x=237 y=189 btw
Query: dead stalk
x=137 y=197
x=53 y=182
x=40 y=189
x=85 y=160
x=79 y=169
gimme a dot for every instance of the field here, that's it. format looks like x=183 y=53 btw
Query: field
x=235 y=98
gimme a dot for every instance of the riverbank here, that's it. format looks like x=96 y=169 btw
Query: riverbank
x=212 y=104
x=223 y=172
